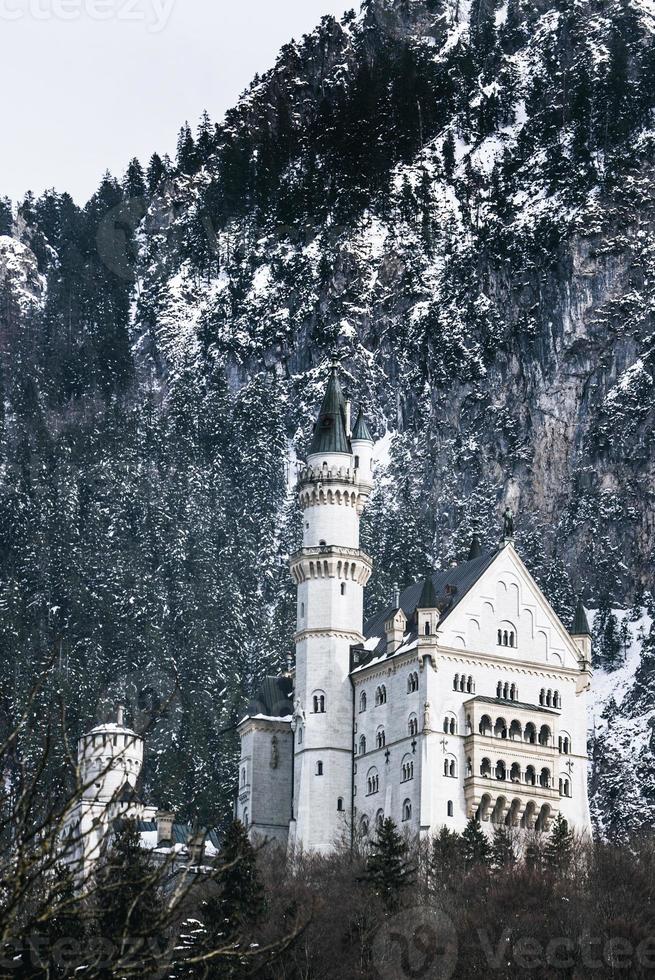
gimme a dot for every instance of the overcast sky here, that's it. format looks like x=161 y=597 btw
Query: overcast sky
x=88 y=84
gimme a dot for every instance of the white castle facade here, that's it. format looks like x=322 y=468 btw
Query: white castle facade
x=466 y=697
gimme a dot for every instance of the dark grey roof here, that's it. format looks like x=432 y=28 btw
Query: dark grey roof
x=361 y=430
x=450 y=587
x=580 y=623
x=274 y=698
x=506 y=703
x=330 y=435
x=182 y=832
x=128 y=794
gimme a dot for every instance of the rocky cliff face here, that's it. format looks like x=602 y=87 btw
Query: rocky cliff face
x=455 y=196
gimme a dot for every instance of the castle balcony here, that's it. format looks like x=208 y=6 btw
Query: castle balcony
x=325 y=485
x=503 y=802
x=331 y=561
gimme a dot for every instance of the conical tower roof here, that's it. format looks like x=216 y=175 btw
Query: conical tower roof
x=580 y=623
x=428 y=598
x=476 y=549
x=330 y=435
x=361 y=430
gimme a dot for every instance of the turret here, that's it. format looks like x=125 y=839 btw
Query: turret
x=395 y=624
x=362 y=446
x=110 y=758
x=581 y=635
x=427 y=611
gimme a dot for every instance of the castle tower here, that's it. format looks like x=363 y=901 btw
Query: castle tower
x=331 y=572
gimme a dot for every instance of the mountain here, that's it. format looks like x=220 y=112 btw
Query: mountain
x=455 y=196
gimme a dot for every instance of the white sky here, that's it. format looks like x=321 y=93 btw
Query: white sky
x=88 y=84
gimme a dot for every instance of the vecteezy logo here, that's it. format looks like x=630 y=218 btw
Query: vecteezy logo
x=418 y=944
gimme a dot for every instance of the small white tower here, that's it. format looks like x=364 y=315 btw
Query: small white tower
x=331 y=572
x=110 y=758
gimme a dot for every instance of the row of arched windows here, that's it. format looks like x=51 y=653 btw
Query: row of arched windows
x=372 y=783
x=449 y=766
x=507 y=692
x=461 y=682
x=318 y=700
x=506 y=638
x=407 y=771
x=550 y=699
x=513 y=773
x=515 y=731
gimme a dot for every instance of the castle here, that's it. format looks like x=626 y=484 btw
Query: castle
x=465 y=697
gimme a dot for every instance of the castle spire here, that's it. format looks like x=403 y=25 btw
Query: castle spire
x=361 y=432
x=330 y=432
x=580 y=623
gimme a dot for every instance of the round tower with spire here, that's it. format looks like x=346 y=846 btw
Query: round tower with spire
x=110 y=757
x=331 y=572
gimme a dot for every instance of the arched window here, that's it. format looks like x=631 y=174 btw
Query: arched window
x=412 y=726
x=470 y=686
x=407 y=769
x=511 y=638
x=530 y=776
x=412 y=683
x=456 y=682
x=407 y=810
x=372 y=782
x=243 y=777
x=449 y=766
x=513 y=693
x=530 y=733
x=340 y=804
x=505 y=638
x=300 y=736
x=544 y=778
x=363 y=826
x=302 y=610
x=542 y=697
x=499 y=689
x=564 y=743
x=343 y=588
x=362 y=701
x=515 y=731
x=379 y=819
x=462 y=683
x=505 y=692
x=549 y=699
x=501 y=770
x=450 y=725
x=380 y=739
x=381 y=695
x=319 y=768
x=469 y=767
x=564 y=786
x=362 y=745
x=500 y=728
x=544 y=735
x=485 y=767
x=427 y=629
x=515 y=773
x=485 y=725
x=449 y=810
x=500 y=638
x=318 y=699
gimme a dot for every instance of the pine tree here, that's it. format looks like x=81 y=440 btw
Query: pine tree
x=449 y=153
x=155 y=173
x=388 y=869
x=134 y=184
x=129 y=905
x=205 y=138
x=445 y=859
x=476 y=849
x=187 y=160
x=229 y=916
x=558 y=851
x=6 y=216
x=502 y=849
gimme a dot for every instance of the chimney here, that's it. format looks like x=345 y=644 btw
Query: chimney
x=120 y=715
x=395 y=627
x=164 y=820
x=396 y=595
x=349 y=430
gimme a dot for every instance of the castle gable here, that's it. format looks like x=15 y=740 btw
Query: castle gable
x=505 y=612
